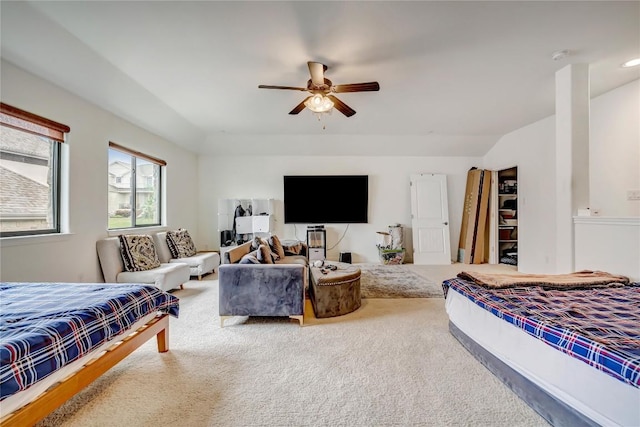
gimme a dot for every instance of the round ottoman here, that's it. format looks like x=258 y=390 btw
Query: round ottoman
x=335 y=292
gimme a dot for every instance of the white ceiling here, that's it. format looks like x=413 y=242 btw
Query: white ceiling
x=454 y=75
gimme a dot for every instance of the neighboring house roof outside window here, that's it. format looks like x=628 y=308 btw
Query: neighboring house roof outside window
x=119 y=168
x=13 y=199
x=24 y=159
x=122 y=170
x=119 y=175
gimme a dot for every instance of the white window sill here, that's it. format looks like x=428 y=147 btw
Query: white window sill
x=137 y=230
x=34 y=240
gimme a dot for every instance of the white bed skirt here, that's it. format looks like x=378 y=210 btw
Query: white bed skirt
x=600 y=397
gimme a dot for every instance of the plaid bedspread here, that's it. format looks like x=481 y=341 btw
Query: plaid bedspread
x=45 y=326
x=600 y=327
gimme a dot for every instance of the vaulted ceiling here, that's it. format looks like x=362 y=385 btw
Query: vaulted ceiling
x=454 y=75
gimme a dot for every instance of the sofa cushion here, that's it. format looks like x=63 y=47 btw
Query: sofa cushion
x=162 y=248
x=276 y=246
x=165 y=277
x=138 y=252
x=265 y=255
x=180 y=243
x=293 y=259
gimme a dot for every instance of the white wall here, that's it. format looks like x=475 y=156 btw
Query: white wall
x=614 y=168
x=531 y=149
x=614 y=154
x=596 y=238
x=389 y=196
x=72 y=257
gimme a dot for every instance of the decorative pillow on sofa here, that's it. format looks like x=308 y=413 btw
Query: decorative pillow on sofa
x=293 y=249
x=250 y=258
x=276 y=246
x=138 y=252
x=180 y=244
x=265 y=255
x=256 y=242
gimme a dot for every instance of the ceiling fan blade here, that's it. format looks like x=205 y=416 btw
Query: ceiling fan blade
x=356 y=87
x=299 y=107
x=341 y=106
x=281 y=87
x=316 y=70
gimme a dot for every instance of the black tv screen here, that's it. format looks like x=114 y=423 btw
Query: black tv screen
x=326 y=199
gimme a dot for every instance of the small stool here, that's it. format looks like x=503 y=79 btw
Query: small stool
x=337 y=292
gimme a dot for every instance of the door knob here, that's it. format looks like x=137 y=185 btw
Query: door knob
x=445 y=223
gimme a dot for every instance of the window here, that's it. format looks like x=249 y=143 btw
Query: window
x=134 y=188
x=30 y=167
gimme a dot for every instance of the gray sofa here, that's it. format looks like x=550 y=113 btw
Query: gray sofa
x=262 y=289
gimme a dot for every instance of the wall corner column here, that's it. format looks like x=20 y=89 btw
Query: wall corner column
x=572 y=157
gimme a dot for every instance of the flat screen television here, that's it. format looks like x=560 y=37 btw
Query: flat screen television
x=326 y=199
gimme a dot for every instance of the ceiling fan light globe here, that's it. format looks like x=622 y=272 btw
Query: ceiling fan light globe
x=319 y=103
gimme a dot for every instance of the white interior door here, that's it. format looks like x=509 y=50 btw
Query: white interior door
x=430 y=219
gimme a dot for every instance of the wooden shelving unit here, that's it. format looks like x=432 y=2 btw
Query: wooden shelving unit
x=508 y=216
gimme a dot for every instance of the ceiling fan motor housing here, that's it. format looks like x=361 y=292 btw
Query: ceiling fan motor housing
x=322 y=99
x=325 y=88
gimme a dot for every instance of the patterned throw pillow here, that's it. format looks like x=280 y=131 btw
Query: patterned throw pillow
x=276 y=246
x=256 y=242
x=293 y=249
x=264 y=255
x=180 y=244
x=250 y=258
x=138 y=252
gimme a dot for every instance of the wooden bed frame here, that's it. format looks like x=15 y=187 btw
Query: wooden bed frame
x=59 y=393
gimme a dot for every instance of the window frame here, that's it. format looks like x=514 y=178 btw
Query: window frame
x=24 y=121
x=135 y=155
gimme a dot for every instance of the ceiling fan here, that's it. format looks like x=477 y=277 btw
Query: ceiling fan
x=321 y=89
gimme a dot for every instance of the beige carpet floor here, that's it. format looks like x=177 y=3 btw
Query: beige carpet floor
x=390 y=363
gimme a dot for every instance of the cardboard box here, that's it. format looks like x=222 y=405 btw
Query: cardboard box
x=473 y=247
x=469 y=212
x=480 y=245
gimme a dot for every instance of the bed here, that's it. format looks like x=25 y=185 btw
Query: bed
x=573 y=354
x=56 y=338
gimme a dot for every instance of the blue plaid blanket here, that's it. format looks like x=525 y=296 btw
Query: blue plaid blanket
x=45 y=326
x=599 y=326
